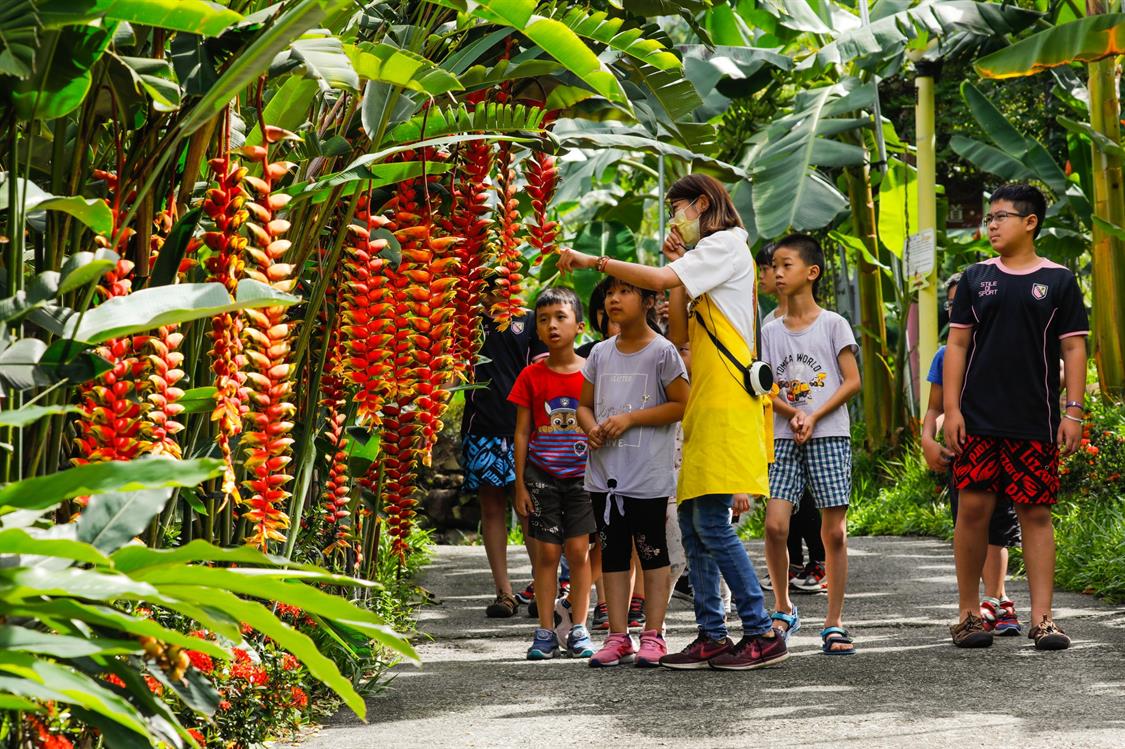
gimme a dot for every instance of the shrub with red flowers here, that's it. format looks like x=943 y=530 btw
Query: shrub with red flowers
x=1097 y=469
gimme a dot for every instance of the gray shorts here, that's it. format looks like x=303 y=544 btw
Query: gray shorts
x=560 y=508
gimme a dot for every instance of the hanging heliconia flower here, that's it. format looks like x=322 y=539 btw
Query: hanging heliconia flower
x=368 y=316
x=334 y=393
x=509 y=261
x=470 y=221
x=113 y=424
x=267 y=333
x=542 y=179
x=224 y=204
x=164 y=360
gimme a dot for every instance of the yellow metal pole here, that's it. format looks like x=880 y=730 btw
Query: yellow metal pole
x=927 y=219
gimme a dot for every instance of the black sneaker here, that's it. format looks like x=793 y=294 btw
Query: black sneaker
x=682 y=589
x=527 y=595
x=970 y=633
x=600 y=620
x=503 y=607
x=637 y=612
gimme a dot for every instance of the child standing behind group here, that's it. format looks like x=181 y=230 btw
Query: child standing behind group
x=635 y=391
x=812 y=351
x=550 y=451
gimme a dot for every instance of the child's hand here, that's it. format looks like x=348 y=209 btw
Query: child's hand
x=615 y=426
x=806 y=431
x=797 y=422
x=522 y=502
x=955 y=434
x=740 y=503
x=937 y=456
x=596 y=437
x=1069 y=437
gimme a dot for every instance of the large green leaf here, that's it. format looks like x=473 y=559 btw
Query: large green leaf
x=21 y=417
x=787 y=191
x=19 y=38
x=320 y=56
x=92 y=212
x=112 y=520
x=296 y=642
x=399 y=67
x=192 y=16
x=289 y=26
x=43 y=680
x=886 y=37
x=1104 y=143
x=288 y=108
x=557 y=40
x=155 y=78
x=990 y=159
x=608 y=238
x=61 y=646
x=32 y=582
x=600 y=27
x=61 y=78
x=21 y=541
x=172 y=252
x=485 y=117
x=19 y=364
x=576 y=133
x=898 y=205
x=153 y=307
x=83 y=268
x=110 y=618
x=1085 y=40
x=480 y=76
x=46 y=491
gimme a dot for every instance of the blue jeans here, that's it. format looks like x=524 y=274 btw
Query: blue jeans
x=712 y=547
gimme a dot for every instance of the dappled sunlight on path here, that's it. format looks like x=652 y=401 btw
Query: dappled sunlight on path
x=907 y=686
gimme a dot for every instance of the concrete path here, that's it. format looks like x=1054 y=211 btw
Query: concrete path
x=908 y=686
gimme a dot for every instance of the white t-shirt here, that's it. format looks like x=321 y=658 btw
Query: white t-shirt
x=722 y=267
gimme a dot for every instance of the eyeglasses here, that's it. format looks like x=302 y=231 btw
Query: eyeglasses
x=672 y=209
x=1000 y=216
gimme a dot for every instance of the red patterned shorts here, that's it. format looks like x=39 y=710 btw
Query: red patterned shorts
x=1026 y=471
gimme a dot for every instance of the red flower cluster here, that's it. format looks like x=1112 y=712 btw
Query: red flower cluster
x=201 y=661
x=224 y=204
x=509 y=261
x=198 y=736
x=542 y=179
x=267 y=348
x=298 y=698
x=43 y=737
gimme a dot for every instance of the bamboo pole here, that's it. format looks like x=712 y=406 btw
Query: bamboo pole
x=927 y=219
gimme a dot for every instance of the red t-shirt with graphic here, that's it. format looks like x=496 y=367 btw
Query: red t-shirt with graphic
x=558 y=444
x=1018 y=319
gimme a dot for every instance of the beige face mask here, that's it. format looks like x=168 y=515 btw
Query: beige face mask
x=688 y=228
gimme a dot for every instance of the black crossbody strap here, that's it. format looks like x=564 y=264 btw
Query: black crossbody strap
x=719 y=345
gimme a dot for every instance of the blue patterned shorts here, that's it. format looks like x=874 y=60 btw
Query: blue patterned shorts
x=488 y=461
x=823 y=464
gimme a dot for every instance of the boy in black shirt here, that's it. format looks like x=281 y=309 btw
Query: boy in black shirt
x=1012 y=319
x=488 y=427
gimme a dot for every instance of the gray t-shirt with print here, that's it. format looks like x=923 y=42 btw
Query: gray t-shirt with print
x=641 y=459
x=806 y=369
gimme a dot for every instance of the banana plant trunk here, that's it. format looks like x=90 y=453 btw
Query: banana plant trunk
x=878 y=394
x=1109 y=205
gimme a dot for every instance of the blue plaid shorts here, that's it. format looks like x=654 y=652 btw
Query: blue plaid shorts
x=823 y=464
x=488 y=461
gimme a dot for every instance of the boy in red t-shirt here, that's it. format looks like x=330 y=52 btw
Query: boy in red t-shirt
x=550 y=465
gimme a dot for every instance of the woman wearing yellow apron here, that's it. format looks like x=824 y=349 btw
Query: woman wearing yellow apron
x=712 y=294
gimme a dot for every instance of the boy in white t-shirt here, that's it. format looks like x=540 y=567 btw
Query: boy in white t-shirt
x=813 y=353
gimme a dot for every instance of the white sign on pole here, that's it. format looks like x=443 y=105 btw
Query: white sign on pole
x=921 y=254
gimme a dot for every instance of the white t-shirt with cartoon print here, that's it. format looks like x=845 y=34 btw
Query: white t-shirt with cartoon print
x=807 y=370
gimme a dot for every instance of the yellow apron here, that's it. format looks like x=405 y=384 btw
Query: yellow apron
x=725 y=436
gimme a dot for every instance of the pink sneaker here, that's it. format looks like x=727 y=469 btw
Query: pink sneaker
x=653 y=648
x=617 y=649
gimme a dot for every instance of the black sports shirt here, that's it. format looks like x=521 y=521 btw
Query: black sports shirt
x=1011 y=386
x=487 y=411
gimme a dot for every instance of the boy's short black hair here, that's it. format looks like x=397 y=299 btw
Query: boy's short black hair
x=765 y=255
x=1027 y=199
x=560 y=295
x=810 y=252
x=952 y=281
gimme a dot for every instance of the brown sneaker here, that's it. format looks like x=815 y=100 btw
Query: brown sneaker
x=970 y=633
x=696 y=655
x=752 y=651
x=1048 y=636
x=504 y=606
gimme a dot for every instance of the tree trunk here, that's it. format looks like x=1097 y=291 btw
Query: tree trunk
x=878 y=395
x=1109 y=205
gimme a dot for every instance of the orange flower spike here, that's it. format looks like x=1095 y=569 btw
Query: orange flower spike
x=542 y=180
x=267 y=339
x=224 y=204
x=509 y=259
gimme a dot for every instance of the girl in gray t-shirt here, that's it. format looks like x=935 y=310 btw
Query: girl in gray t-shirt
x=635 y=392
